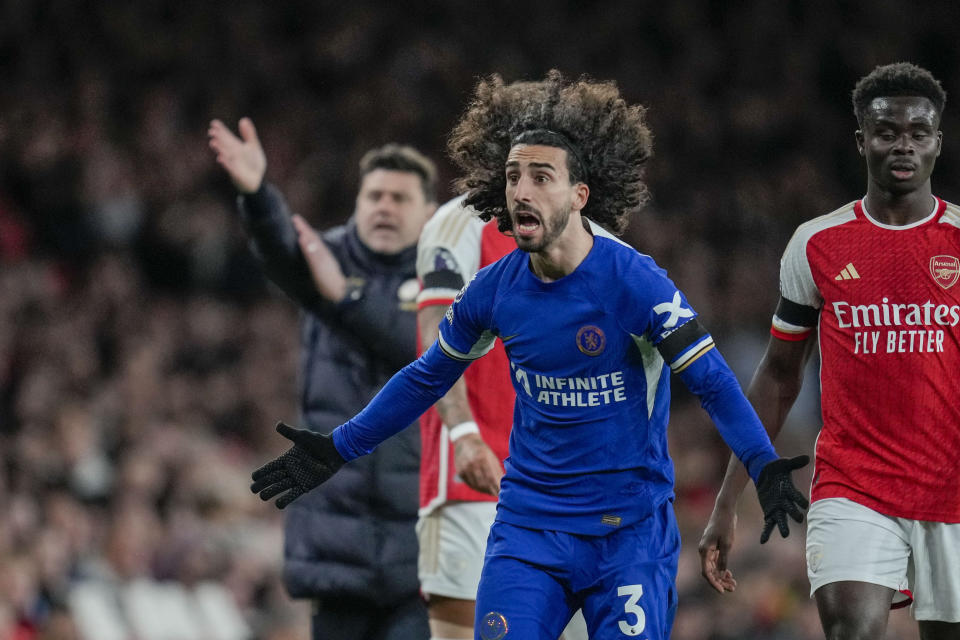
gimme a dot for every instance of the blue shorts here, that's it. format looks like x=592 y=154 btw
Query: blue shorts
x=625 y=582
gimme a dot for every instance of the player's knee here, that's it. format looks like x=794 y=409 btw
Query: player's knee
x=854 y=629
x=854 y=621
x=853 y=610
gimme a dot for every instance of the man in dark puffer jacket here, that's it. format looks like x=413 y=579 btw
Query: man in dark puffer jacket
x=350 y=545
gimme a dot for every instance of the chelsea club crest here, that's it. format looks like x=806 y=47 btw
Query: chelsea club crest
x=493 y=626
x=590 y=340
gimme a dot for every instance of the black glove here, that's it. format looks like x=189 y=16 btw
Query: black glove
x=309 y=462
x=778 y=496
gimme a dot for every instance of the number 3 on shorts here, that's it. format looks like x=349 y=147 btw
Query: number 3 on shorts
x=634 y=591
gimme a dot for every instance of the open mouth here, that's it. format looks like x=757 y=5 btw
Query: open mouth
x=527 y=223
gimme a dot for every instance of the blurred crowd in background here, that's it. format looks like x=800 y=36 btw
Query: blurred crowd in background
x=144 y=359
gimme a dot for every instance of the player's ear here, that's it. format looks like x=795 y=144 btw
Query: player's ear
x=581 y=193
x=858 y=134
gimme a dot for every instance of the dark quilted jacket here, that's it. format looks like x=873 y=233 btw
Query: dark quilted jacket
x=354 y=535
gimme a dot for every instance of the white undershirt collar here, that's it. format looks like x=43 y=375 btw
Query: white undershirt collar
x=897 y=227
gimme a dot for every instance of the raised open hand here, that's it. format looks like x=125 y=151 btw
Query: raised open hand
x=242 y=158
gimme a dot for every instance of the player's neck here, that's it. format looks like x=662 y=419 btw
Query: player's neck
x=898 y=209
x=564 y=254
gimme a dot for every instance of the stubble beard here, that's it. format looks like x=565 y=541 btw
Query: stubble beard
x=552 y=230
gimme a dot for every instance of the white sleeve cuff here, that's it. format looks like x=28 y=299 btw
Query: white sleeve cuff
x=462 y=429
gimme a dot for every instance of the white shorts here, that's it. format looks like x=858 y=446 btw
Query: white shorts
x=916 y=558
x=453 y=540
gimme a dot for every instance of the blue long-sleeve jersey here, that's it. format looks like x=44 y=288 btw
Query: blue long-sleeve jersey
x=590 y=357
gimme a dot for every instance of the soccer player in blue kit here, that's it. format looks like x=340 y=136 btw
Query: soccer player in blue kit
x=593 y=330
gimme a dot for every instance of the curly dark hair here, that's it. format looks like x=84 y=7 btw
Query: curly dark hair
x=607 y=143
x=897 y=79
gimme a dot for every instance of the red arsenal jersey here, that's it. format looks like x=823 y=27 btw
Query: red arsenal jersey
x=888 y=299
x=454 y=245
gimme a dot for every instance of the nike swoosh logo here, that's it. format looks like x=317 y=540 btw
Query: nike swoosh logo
x=505 y=338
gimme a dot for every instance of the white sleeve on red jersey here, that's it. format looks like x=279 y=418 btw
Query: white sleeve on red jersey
x=448 y=252
x=796 y=278
x=800 y=298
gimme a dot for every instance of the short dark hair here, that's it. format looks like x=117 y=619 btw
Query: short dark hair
x=396 y=157
x=897 y=79
x=607 y=143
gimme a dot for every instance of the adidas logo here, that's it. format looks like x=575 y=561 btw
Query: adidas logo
x=848 y=273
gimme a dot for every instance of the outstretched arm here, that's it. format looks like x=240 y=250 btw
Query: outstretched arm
x=476 y=463
x=409 y=393
x=772 y=392
x=314 y=458
x=263 y=210
x=296 y=258
x=707 y=374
